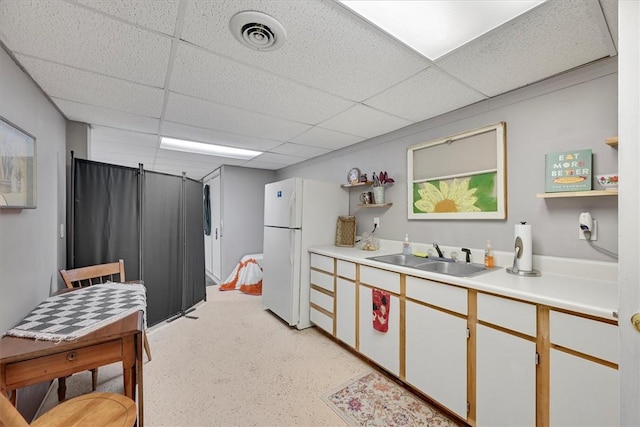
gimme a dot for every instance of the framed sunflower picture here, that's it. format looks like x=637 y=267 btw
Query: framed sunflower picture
x=460 y=176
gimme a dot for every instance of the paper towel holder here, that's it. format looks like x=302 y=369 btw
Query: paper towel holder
x=517 y=254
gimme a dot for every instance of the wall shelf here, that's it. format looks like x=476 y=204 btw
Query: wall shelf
x=578 y=194
x=612 y=142
x=376 y=205
x=359 y=184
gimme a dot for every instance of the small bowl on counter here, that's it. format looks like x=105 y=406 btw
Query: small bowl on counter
x=608 y=181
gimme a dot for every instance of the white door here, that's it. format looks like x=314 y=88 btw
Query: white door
x=280 y=265
x=216 y=228
x=628 y=201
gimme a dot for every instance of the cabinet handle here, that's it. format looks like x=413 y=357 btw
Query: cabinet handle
x=635 y=321
x=72 y=356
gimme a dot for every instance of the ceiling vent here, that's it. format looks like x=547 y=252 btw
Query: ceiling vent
x=257 y=31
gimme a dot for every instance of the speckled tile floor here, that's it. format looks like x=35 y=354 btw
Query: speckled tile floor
x=235 y=365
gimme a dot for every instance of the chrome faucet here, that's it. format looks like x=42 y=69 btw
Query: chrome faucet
x=437 y=248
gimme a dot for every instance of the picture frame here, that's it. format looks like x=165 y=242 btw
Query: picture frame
x=17 y=167
x=461 y=176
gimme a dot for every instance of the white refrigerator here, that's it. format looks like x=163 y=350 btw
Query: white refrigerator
x=298 y=214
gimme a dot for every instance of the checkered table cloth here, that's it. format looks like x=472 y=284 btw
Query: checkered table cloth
x=68 y=316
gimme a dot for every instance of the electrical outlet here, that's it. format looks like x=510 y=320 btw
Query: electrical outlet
x=376 y=222
x=594 y=232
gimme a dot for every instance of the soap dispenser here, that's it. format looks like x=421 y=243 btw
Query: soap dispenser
x=406 y=246
x=488 y=255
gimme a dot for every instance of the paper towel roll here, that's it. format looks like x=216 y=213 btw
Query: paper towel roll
x=525 y=262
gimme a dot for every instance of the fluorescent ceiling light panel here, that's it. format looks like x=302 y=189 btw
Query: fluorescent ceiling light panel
x=208 y=149
x=436 y=27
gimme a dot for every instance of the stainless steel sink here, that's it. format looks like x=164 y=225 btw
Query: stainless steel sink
x=433 y=264
x=454 y=269
x=401 y=259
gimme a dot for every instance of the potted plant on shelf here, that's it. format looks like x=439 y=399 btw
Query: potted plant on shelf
x=378 y=186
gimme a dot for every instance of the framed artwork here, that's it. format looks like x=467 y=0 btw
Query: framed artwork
x=460 y=176
x=17 y=167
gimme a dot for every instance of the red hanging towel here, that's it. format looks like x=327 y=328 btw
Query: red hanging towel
x=381 y=305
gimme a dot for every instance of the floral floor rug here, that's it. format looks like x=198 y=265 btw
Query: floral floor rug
x=371 y=399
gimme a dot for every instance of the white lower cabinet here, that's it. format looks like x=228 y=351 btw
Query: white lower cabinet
x=345 y=311
x=582 y=393
x=583 y=389
x=505 y=379
x=436 y=355
x=381 y=347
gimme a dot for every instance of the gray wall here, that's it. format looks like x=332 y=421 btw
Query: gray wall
x=31 y=250
x=242 y=213
x=572 y=111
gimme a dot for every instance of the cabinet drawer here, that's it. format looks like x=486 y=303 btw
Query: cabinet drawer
x=587 y=336
x=322 y=300
x=514 y=315
x=381 y=279
x=322 y=280
x=322 y=262
x=437 y=294
x=346 y=269
x=321 y=320
x=62 y=364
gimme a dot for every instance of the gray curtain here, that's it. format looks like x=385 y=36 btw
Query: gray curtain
x=153 y=221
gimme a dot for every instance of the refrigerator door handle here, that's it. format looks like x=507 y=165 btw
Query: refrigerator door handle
x=292 y=210
x=292 y=245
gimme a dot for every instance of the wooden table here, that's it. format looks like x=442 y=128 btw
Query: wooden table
x=25 y=361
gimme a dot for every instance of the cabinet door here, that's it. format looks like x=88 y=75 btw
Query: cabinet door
x=381 y=347
x=505 y=379
x=436 y=355
x=582 y=392
x=346 y=311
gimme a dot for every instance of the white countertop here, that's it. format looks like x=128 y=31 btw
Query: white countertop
x=582 y=294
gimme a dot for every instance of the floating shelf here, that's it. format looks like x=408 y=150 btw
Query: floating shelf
x=376 y=205
x=359 y=184
x=612 y=142
x=578 y=194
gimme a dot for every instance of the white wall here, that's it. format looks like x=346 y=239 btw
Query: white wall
x=572 y=111
x=31 y=251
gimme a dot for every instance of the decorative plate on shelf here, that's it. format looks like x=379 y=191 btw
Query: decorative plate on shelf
x=353 y=177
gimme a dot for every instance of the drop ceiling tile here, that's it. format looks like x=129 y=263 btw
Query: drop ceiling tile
x=258 y=164
x=552 y=38
x=103 y=116
x=327 y=46
x=196 y=112
x=425 y=95
x=84 y=87
x=81 y=38
x=325 y=138
x=205 y=75
x=157 y=15
x=298 y=150
x=191 y=133
x=364 y=121
x=281 y=159
x=107 y=135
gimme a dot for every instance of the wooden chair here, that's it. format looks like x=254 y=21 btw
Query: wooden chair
x=88 y=276
x=93 y=409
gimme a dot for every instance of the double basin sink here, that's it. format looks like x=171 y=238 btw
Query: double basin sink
x=434 y=265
